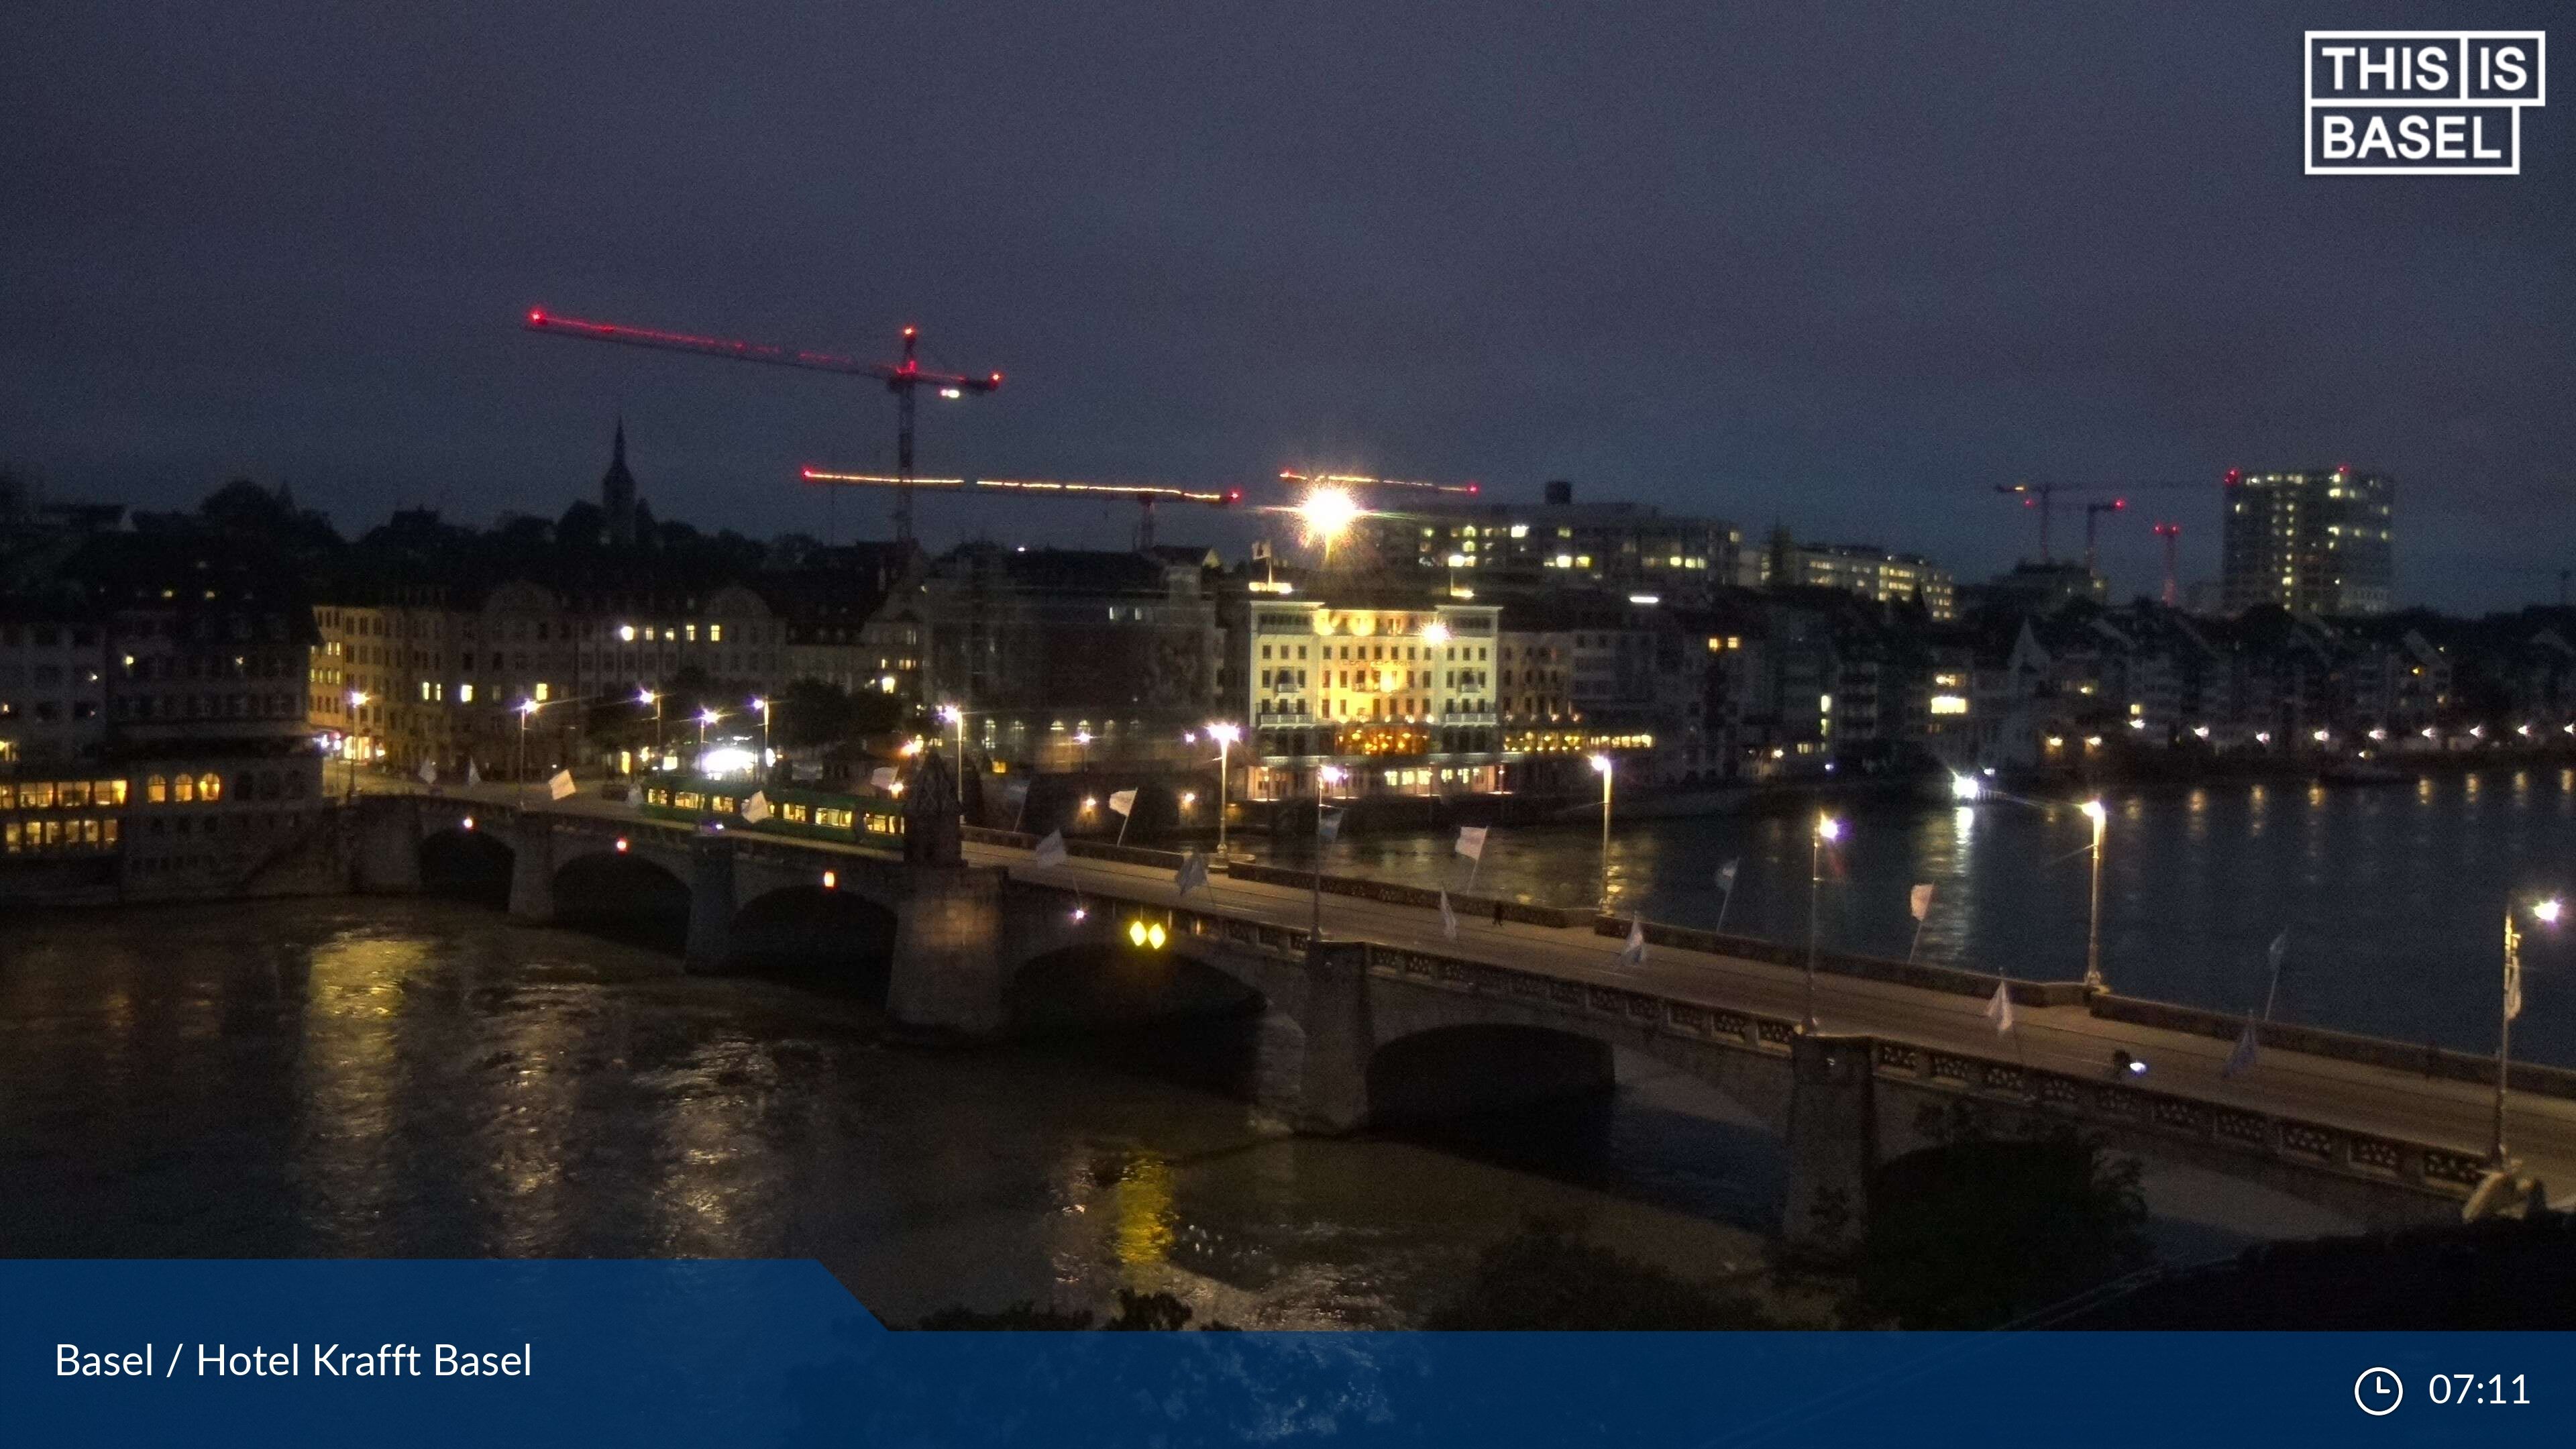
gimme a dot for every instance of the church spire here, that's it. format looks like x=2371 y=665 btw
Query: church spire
x=617 y=491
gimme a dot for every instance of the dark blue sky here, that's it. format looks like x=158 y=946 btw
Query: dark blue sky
x=1839 y=265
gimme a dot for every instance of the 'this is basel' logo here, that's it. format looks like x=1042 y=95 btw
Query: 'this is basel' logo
x=2421 y=102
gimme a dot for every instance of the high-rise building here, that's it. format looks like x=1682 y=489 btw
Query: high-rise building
x=1875 y=573
x=1554 y=542
x=2314 y=542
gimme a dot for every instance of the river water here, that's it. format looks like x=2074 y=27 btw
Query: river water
x=421 y=1077
x=2392 y=895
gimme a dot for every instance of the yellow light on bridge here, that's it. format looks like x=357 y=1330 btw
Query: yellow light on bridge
x=1146 y=935
x=621 y=845
x=831 y=880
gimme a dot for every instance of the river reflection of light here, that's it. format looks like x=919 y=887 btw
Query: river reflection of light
x=350 y=1081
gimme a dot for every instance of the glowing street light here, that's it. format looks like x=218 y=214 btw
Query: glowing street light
x=349 y=760
x=1328 y=513
x=706 y=717
x=653 y=698
x=527 y=711
x=1966 y=788
x=1827 y=830
x=2094 y=811
x=1435 y=633
x=1225 y=733
x=1606 y=768
x=1325 y=777
x=2547 y=913
x=762 y=705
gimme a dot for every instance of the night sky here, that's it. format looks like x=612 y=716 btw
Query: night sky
x=1841 y=266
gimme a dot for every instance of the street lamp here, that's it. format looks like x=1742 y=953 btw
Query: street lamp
x=706 y=717
x=527 y=711
x=2094 y=812
x=2547 y=913
x=348 y=755
x=1328 y=513
x=1604 y=766
x=1827 y=830
x=1325 y=775
x=647 y=696
x=763 y=706
x=1225 y=734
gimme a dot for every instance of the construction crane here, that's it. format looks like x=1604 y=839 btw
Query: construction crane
x=1356 y=480
x=900 y=378
x=2042 y=496
x=1145 y=495
x=2171 y=533
x=2092 y=514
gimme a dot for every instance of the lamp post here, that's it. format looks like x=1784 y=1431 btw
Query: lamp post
x=2094 y=812
x=1226 y=734
x=952 y=714
x=527 y=712
x=1827 y=829
x=1325 y=775
x=706 y=717
x=1605 y=767
x=653 y=698
x=348 y=755
x=763 y=706
x=2547 y=913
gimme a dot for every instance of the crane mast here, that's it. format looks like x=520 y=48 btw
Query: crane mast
x=902 y=378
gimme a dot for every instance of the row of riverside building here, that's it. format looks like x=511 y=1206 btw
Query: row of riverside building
x=1460 y=646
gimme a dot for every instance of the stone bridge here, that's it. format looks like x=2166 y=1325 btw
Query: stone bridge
x=1352 y=1031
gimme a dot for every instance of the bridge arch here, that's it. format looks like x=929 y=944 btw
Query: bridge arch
x=622 y=896
x=839 y=940
x=1476 y=1067
x=468 y=863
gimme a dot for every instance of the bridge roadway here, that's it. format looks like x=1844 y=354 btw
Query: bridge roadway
x=2355 y=1096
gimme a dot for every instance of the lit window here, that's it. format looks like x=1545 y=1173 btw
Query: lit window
x=541 y=691
x=187 y=790
x=465 y=693
x=156 y=790
x=210 y=788
x=715 y=633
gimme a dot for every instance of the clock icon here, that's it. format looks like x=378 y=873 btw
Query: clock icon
x=2378 y=1391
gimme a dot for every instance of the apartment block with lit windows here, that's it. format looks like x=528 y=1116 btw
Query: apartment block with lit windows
x=1556 y=543
x=2319 y=543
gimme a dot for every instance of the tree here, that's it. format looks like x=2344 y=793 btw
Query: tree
x=812 y=713
x=583 y=527
x=1980 y=1231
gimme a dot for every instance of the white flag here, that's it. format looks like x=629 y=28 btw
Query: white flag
x=1448 y=918
x=1328 y=826
x=561 y=785
x=1999 y=1010
x=881 y=778
x=1049 y=851
x=472 y=776
x=429 y=772
x=756 y=809
x=1192 y=874
x=1634 y=953
x=2513 y=986
x=2243 y=1057
x=1726 y=875
x=1124 y=802
x=1471 y=841
x=1922 y=902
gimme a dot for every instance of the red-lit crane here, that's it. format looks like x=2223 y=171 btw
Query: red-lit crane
x=901 y=378
x=2092 y=514
x=1144 y=495
x=2042 y=496
x=2171 y=533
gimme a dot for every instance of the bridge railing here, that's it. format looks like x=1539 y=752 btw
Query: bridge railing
x=1364 y=888
x=2433 y=1062
x=1920 y=975
x=2446 y=1171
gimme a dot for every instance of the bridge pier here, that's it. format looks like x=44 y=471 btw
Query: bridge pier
x=532 y=870
x=1833 y=1146
x=1336 y=1034
x=384 y=855
x=711 y=906
x=948 y=973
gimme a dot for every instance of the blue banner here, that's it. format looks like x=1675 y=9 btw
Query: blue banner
x=283 y=1354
